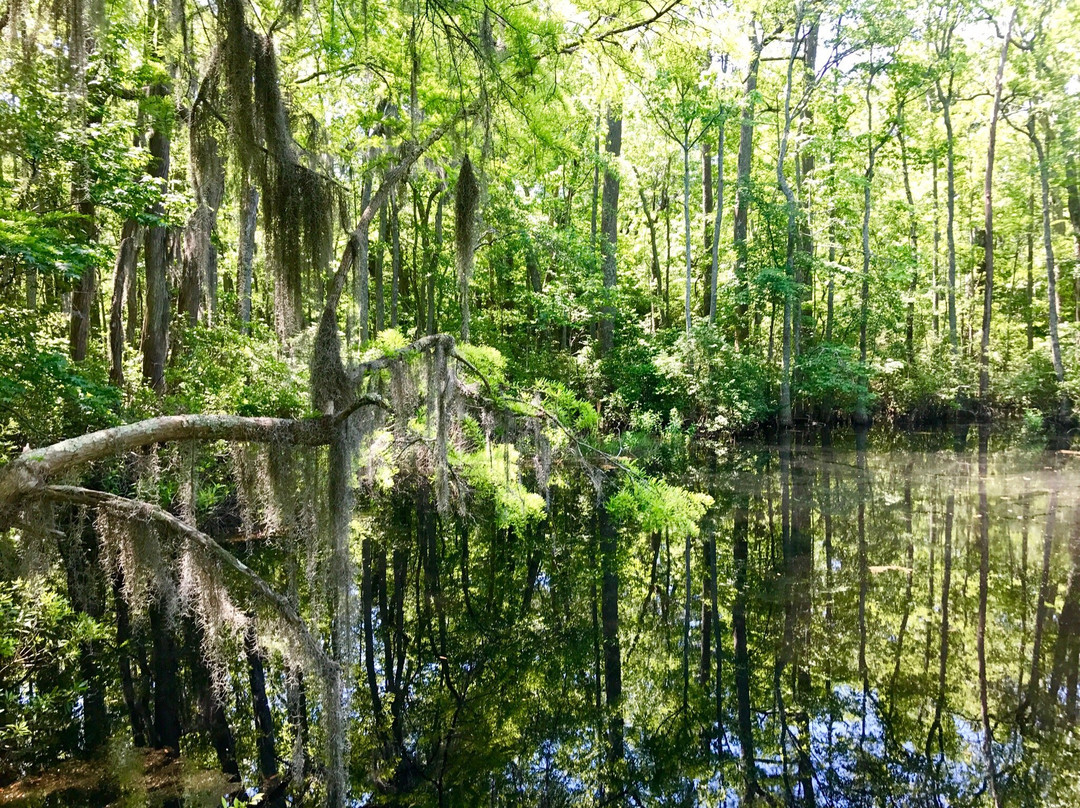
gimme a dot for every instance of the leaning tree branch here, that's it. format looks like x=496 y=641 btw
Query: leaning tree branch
x=279 y=604
x=410 y=153
x=33 y=468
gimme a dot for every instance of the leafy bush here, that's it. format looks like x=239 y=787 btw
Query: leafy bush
x=716 y=385
x=223 y=371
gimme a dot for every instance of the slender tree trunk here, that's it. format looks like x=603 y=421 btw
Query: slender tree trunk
x=789 y=196
x=719 y=219
x=609 y=223
x=686 y=225
x=1051 y=272
x=913 y=235
x=249 y=211
x=950 y=215
x=988 y=215
x=395 y=262
x=861 y=416
x=740 y=556
x=127 y=257
x=742 y=201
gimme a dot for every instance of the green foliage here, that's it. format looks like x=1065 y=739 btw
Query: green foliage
x=726 y=389
x=223 y=371
x=654 y=505
x=43 y=396
x=50 y=245
x=832 y=377
x=493 y=472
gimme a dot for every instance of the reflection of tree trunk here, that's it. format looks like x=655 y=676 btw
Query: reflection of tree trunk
x=827 y=529
x=80 y=549
x=740 y=554
x=980 y=631
x=210 y=705
x=609 y=608
x=708 y=589
x=943 y=653
x=1068 y=639
x=907 y=591
x=264 y=719
x=167 y=696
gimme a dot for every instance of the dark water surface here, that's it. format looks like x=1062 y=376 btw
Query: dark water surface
x=881 y=603
x=891 y=599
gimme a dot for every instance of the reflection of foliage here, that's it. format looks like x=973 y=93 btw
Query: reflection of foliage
x=40 y=677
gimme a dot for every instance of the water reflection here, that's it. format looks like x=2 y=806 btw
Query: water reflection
x=898 y=635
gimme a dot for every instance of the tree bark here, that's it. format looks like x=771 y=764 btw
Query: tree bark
x=742 y=202
x=686 y=226
x=609 y=223
x=127 y=257
x=1051 y=272
x=715 y=275
x=249 y=212
x=155 y=330
x=988 y=217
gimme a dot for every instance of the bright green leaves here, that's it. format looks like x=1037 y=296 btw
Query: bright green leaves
x=494 y=471
x=655 y=505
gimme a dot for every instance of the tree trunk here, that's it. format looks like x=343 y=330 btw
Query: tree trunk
x=82 y=298
x=913 y=236
x=155 y=329
x=950 y=215
x=466 y=202
x=742 y=202
x=789 y=265
x=127 y=257
x=988 y=216
x=1051 y=273
x=249 y=211
x=715 y=276
x=609 y=223
x=686 y=225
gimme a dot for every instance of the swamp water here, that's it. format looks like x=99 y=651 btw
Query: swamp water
x=854 y=579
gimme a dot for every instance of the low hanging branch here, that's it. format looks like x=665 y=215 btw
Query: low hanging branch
x=31 y=471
